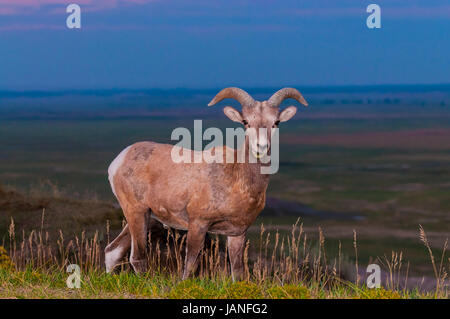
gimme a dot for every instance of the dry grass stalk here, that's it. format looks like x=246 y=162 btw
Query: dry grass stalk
x=355 y=246
x=440 y=274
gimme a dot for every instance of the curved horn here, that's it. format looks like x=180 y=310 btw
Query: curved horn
x=233 y=93
x=286 y=93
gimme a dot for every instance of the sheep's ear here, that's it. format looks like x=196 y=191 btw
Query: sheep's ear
x=287 y=113
x=233 y=114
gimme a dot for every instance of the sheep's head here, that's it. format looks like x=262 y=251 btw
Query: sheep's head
x=259 y=118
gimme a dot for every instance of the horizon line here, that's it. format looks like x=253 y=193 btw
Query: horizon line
x=205 y=88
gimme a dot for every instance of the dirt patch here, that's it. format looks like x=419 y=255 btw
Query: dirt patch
x=11 y=200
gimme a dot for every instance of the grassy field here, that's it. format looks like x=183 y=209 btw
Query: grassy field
x=278 y=267
x=377 y=166
x=34 y=284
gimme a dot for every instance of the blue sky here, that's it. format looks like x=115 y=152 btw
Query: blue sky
x=207 y=43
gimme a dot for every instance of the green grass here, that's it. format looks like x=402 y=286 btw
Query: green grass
x=52 y=284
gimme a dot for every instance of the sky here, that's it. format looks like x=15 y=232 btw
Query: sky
x=218 y=43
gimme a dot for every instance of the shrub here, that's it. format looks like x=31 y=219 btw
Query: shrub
x=191 y=289
x=288 y=292
x=379 y=293
x=244 y=290
x=5 y=261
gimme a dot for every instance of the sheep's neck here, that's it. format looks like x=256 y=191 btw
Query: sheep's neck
x=251 y=172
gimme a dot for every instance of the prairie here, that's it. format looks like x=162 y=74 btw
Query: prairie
x=375 y=162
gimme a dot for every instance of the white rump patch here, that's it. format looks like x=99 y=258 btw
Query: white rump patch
x=115 y=165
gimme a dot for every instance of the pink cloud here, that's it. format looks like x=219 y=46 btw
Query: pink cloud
x=17 y=7
x=6 y=11
x=50 y=7
x=412 y=11
x=418 y=11
x=38 y=27
x=27 y=27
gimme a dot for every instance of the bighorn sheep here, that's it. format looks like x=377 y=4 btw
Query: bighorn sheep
x=220 y=198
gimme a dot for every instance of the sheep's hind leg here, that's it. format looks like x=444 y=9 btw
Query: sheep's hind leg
x=117 y=249
x=138 y=224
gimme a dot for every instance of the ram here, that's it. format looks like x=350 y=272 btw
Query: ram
x=221 y=198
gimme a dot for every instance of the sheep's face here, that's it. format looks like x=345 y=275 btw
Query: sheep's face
x=259 y=118
x=259 y=121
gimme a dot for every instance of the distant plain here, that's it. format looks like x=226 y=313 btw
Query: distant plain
x=373 y=159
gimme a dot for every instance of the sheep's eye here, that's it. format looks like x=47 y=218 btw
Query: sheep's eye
x=244 y=122
x=276 y=124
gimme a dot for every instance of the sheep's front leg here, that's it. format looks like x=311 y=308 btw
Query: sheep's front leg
x=236 y=246
x=194 y=243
